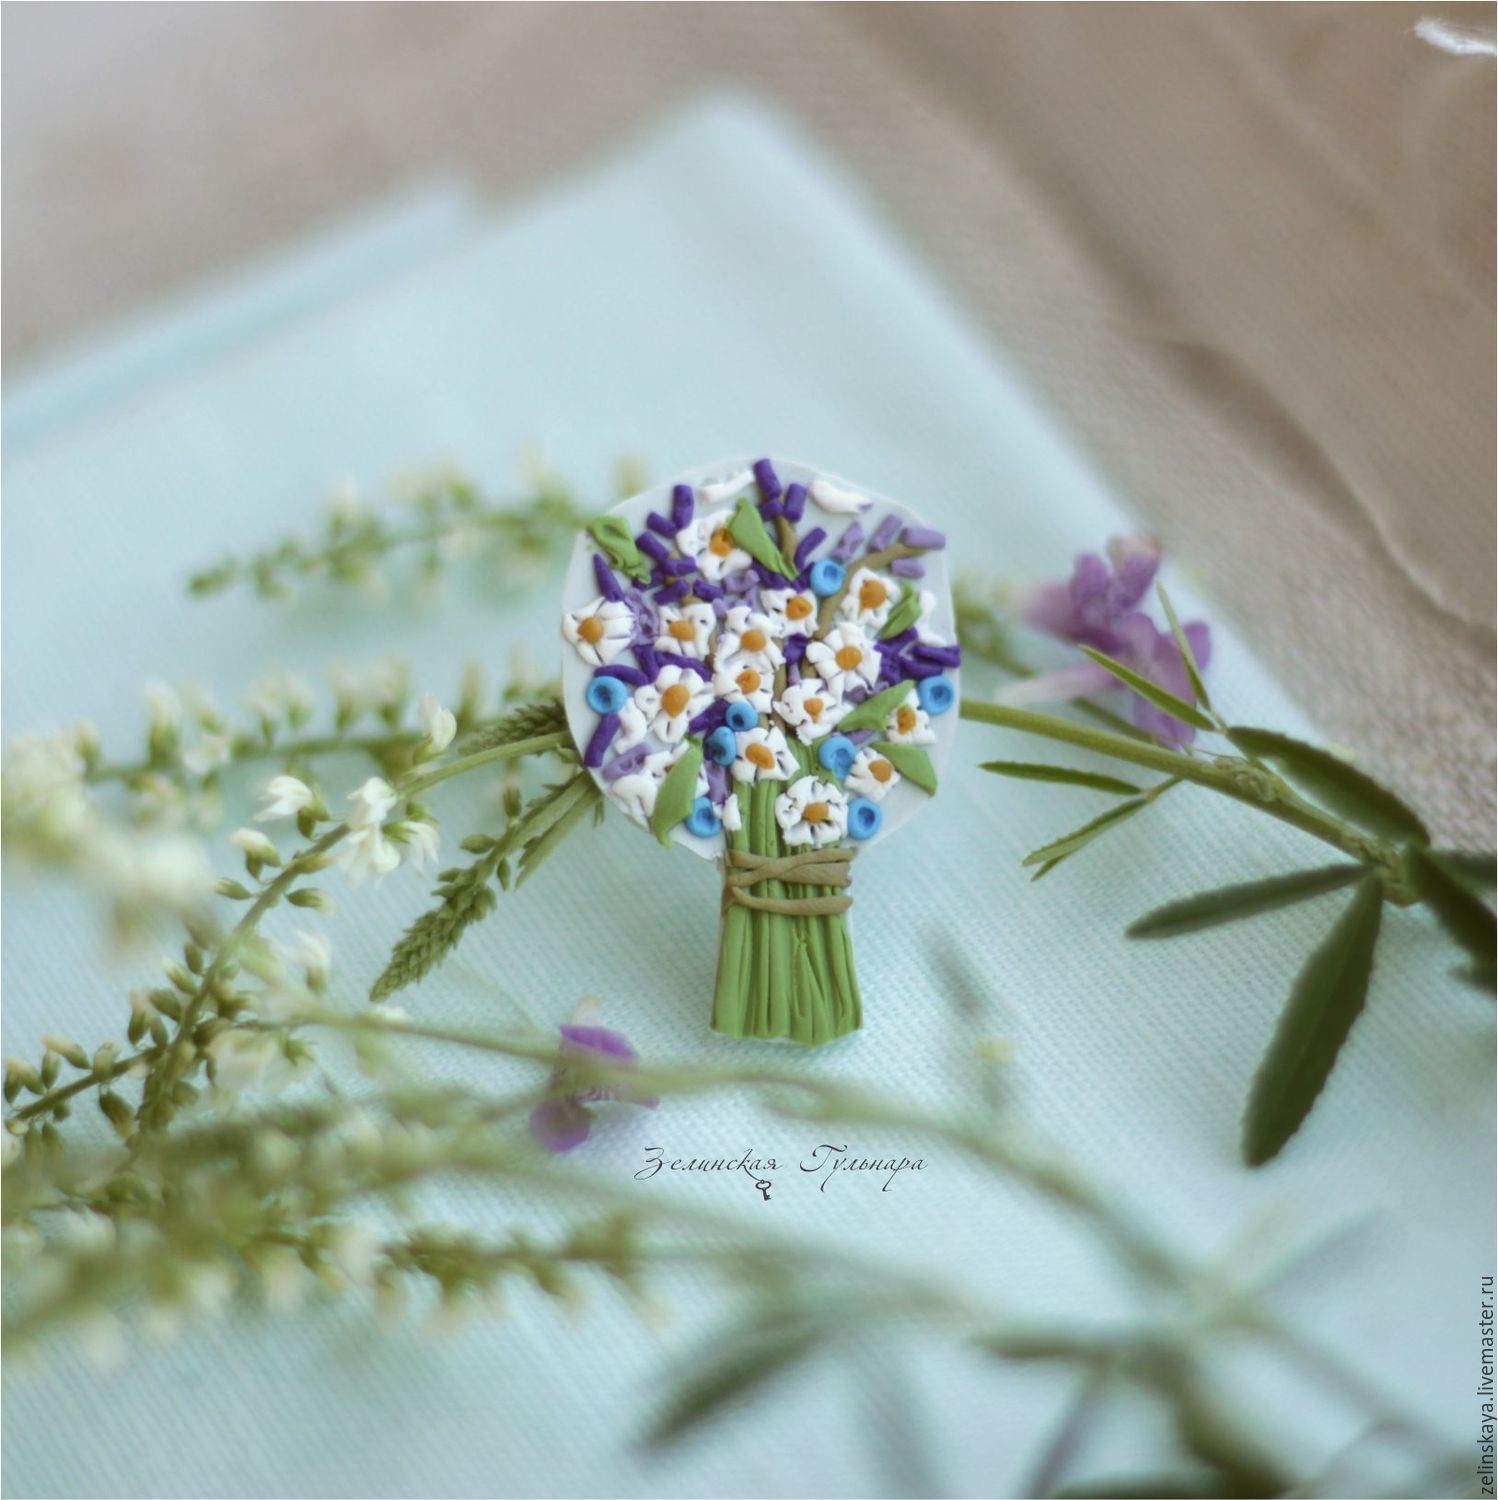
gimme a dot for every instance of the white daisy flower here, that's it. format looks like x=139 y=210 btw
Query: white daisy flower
x=811 y=707
x=910 y=724
x=285 y=797
x=672 y=701
x=923 y=632
x=794 y=611
x=725 y=489
x=844 y=657
x=812 y=812
x=708 y=543
x=764 y=755
x=636 y=793
x=600 y=630
x=632 y=727
x=871 y=775
x=870 y=598
x=731 y=813
x=840 y=501
x=744 y=679
x=687 y=630
x=748 y=633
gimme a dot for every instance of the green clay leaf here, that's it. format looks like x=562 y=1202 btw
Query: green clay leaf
x=1229 y=903
x=903 y=615
x=1335 y=784
x=1024 y=770
x=748 y=529
x=1188 y=656
x=873 y=713
x=678 y=792
x=612 y=533
x=911 y=762
x=1467 y=920
x=1325 y=1000
x=1166 y=701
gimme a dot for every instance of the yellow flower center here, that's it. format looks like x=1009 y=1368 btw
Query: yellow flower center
x=591 y=630
x=871 y=594
x=817 y=812
x=905 y=719
x=881 y=770
x=848 y=657
x=753 y=640
x=759 y=754
x=675 y=698
x=748 y=680
x=681 y=630
x=797 y=607
x=720 y=544
x=813 y=707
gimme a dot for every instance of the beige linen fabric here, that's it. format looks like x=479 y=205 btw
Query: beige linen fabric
x=1246 y=251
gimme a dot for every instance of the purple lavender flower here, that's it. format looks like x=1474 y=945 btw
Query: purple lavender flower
x=562 y=1121
x=1096 y=607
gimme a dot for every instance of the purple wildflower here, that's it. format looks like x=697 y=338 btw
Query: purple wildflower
x=562 y=1121
x=1096 y=607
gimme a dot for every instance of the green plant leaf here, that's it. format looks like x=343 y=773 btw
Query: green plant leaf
x=1024 y=770
x=678 y=792
x=903 y=615
x=1480 y=870
x=911 y=762
x=742 y=1366
x=1335 y=784
x=747 y=527
x=1188 y=656
x=1230 y=903
x=1164 y=700
x=1326 y=998
x=1467 y=920
x=873 y=713
x=1053 y=853
x=612 y=533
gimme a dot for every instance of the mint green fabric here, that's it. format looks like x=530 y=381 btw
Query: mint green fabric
x=718 y=288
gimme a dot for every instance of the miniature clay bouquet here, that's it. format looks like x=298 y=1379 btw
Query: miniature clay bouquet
x=760 y=664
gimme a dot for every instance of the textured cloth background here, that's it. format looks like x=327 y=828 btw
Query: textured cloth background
x=1246 y=250
x=720 y=288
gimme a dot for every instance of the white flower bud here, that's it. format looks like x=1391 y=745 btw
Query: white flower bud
x=439 y=723
x=285 y=797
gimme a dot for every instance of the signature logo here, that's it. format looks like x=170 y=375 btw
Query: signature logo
x=826 y=1161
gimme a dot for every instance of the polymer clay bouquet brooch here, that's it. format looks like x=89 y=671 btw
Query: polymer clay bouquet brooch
x=760 y=664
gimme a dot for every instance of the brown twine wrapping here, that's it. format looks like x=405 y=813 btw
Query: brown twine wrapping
x=811 y=867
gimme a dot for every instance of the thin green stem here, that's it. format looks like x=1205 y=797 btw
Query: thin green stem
x=1281 y=802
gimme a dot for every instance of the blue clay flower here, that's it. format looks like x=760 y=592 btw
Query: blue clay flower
x=827 y=577
x=836 y=753
x=702 y=820
x=607 y=695
x=935 y=694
